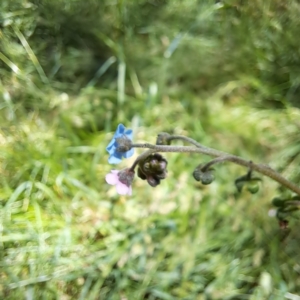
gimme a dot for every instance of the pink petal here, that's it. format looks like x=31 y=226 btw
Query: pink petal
x=130 y=191
x=112 y=179
x=123 y=189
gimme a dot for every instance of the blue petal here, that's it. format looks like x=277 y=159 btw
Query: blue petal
x=129 y=134
x=113 y=151
x=120 y=130
x=111 y=145
x=114 y=159
x=128 y=153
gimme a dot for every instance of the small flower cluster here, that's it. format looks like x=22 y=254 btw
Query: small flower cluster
x=152 y=168
x=120 y=146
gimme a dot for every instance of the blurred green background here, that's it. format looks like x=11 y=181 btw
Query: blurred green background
x=225 y=73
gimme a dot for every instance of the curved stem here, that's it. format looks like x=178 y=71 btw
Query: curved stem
x=293 y=203
x=186 y=139
x=215 y=161
x=175 y=137
x=260 y=168
x=141 y=156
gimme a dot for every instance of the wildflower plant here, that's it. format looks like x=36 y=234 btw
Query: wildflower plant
x=152 y=167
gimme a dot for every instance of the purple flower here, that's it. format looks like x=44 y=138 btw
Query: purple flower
x=120 y=145
x=115 y=177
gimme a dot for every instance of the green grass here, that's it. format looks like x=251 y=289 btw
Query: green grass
x=70 y=72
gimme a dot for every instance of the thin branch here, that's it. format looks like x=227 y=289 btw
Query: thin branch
x=176 y=137
x=141 y=156
x=260 y=168
x=293 y=203
x=186 y=139
x=215 y=161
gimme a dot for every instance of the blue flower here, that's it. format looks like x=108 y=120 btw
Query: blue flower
x=122 y=136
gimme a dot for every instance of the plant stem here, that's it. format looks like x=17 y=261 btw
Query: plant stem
x=141 y=156
x=213 y=162
x=260 y=168
x=293 y=203
x=186 y=139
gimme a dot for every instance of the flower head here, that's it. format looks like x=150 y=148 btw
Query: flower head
x=120 y=145
x=153 y=169
x=122 y=180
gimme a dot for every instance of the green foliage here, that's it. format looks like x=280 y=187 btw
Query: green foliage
x=70 y=71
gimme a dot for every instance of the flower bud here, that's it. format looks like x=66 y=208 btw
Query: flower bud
x=126 y=176
x=197 y=174
x=163 y=138
x=153 y=181
x=252 y=187
x=154 y=164
x=153 y=169
x=124 y=144
x=251 y=183
x=205 y=176
x=239 y=185
x=278 y=202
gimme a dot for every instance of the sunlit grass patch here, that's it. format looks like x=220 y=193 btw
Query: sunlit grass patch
x=222 y=73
